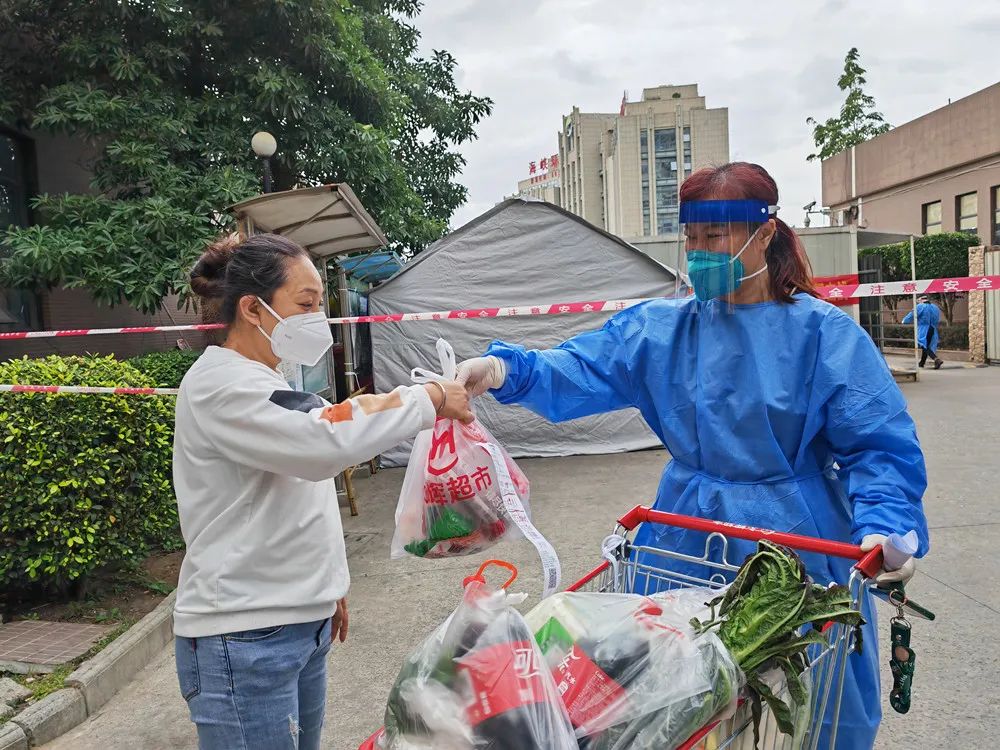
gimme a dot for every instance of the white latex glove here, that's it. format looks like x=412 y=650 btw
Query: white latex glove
x=482 y=374
x=904 y=574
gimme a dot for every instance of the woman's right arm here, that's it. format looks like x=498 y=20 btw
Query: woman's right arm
x=297 y=434
x=588 y=374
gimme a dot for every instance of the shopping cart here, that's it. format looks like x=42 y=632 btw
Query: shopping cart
x=629 y=568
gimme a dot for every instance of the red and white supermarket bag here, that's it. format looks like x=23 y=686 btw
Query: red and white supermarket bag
x=462 y=492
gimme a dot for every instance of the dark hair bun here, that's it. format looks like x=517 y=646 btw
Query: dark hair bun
x=208 y=277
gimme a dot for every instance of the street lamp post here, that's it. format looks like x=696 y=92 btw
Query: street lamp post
x=264 y=145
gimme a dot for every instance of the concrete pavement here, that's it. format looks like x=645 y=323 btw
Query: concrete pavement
x=395 y=604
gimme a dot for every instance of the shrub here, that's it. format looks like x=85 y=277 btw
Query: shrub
x=951 y=338
x=84 y=480
x=166 y=369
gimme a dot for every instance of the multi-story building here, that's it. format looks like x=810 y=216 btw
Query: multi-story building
x=938 y=173
x=542 y=183
x=623 y=171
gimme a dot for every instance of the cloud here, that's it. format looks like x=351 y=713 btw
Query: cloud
x=771 y=62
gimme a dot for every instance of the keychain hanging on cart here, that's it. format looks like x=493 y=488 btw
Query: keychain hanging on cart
x=903 y=659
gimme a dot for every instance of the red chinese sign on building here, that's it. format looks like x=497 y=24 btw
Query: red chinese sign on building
x=546 y=163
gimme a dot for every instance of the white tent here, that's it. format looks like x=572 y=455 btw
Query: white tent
x=518 y=253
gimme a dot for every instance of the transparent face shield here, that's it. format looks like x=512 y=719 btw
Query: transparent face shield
x=719 y=247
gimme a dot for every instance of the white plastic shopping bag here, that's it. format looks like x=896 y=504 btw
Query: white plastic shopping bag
x=462 y=493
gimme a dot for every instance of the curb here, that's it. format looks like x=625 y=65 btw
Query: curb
x=93 y=683
x=12 y=737
x=99 y=678
x=52 y=716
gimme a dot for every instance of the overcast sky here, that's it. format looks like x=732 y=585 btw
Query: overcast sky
x=773 y=64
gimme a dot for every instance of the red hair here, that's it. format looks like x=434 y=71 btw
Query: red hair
x=788 y=267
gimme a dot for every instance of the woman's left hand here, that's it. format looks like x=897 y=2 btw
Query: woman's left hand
x=887 y=577
x=339 y=622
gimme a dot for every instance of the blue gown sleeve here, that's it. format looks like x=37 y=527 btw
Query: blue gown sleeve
x=873 y=438
x=588 y=374
x=909 y=318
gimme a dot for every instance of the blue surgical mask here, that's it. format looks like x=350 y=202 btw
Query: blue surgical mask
x=711 y=275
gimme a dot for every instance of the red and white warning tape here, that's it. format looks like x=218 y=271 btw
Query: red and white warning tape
x=927 y=286
x=71 y=332
x=88 y=390
x=832 y=293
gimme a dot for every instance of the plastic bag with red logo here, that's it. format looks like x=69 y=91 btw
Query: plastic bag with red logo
x=631 y=670
x=478 y=682
x=461 y=493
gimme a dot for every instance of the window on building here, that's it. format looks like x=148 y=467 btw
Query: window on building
x=665 y=140
x=967 y=213
x=932 y=218
x=19 y=308
x=995 y=213
x=687 y=151
x=644 y=166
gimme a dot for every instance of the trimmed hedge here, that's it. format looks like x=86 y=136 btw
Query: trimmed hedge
x=166 y=369
x=952 y=338
x=84 y=480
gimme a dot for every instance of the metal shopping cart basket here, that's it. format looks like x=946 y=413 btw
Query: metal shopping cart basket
x=629 y=568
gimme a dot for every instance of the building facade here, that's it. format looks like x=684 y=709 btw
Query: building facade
x=31 y=164
x=542 y=183
x=938 y=173
x=622 y=172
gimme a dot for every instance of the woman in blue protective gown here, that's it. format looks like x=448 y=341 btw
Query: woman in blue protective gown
x=777 y=409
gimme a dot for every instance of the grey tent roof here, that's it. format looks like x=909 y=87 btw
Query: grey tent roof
x=506 y=205
x=515 y=250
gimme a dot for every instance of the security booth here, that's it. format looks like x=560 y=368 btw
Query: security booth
x=335 y=229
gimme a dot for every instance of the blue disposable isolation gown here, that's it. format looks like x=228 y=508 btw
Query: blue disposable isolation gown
x=776 y=415
x=928 y=317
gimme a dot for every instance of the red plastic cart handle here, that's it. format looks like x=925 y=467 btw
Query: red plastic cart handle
x=869 y=563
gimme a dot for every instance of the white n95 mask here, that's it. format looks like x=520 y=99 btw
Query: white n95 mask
x=302 y=339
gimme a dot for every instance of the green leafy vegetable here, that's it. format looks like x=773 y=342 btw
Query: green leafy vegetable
x=768 y=618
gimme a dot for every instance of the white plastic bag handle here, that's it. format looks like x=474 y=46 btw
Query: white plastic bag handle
x=449 y=368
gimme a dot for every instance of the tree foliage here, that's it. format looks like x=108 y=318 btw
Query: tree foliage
x=168 y=93
x=858 y=120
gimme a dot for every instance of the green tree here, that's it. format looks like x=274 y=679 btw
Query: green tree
x=168 y=93
x=938 y=256
x=858 y=120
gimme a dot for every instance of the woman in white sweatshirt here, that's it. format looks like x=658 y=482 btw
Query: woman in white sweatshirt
x=263 y=584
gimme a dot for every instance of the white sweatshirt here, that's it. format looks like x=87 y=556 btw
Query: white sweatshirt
x=254 y=463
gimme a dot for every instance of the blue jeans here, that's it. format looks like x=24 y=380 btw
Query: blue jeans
x=259 y=689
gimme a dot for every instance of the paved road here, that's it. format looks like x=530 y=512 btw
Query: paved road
x=575 y=500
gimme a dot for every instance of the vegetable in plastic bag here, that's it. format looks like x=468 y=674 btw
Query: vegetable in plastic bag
x=477 y=683
x=632 y=673
x=450 y=503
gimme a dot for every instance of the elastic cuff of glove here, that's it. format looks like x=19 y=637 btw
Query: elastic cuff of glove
x=498 y=372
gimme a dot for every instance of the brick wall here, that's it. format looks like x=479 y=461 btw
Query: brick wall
x=74 y=308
